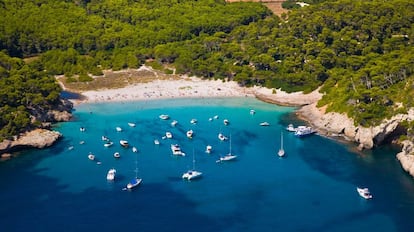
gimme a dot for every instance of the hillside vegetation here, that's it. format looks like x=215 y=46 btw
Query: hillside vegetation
x=360 y=52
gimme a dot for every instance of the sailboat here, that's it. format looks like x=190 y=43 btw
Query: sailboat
x=229 y=155
x=192 y=173
x=281 y=151
x=136 y=181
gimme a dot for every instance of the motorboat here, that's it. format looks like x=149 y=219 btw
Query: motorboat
x=164 y=116
x=216 y=117
x=104 y=138
x=156 y=142
x=209 y=148
x=111 y=174
x=291 y=128
x=82 y=129
x=226 y=122
x=134 y=149
x=221 y=137
x=365 y=193
x=193 y=121
x=264 y=124
x=117 y=155
x=91 y=156
x=118 y=129
x=302 y=131
x=108 y=144
x=174 y=123
x=71 y=148
x=168 y=135
x=210 y=119
x=176 y=150
x=190 y=134
x=252 y=112
x=131 y=124
x=281 y=151
x=124 y=143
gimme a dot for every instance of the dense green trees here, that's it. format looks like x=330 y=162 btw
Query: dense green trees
x=360 y=52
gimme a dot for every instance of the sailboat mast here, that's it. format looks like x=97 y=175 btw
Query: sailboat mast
x=281 y=139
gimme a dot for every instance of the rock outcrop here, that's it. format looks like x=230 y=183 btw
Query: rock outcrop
x=406 y=157
x=38 y=138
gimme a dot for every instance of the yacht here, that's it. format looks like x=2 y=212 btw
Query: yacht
x=365 y=193
x=229 y=155
x=222 y=137
x=111 y=174
x=216 y=117
x=174 y=123
x=124 y=143
x=192 y=174
x=264 y=124
x=164 y=116
x=108 y=144
x=117 y=155
x=302 y=131
x=82 y=129
x=156 y=142
x=134 y=149
x=226 y=122
x=168 y=135
x=193 y=121
x=190 y=134
x=209 y=148
x=104 y=138
x=91 y=156
x=118 y=129
x=291 y=128
x=176 y=150
x=131 y=124
x=252 y=112
x=136 y=181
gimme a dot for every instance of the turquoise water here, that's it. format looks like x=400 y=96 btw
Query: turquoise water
x=311 y=189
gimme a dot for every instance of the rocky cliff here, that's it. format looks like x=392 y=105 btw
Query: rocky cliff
x=406 y=157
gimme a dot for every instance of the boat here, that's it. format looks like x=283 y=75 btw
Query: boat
x=226 y=122
x=229 y=156
x=104 y=138
x=209 y=148
x=216 y=117
x=210 y=119
x=117 y=155
x=168 y=135
x=134 y=149
x=291 y=128
x=192 y=173
x=131 y=124
x=164 y=116
x=71 y=148
x=222 y=137
x=176 y=150
x=82 y=129
x=302 y=131
x=108 y=144
x=156 y=142
x=190 y=134
x=252 y=112
x=118 y=129
x=264 y=124
x=91 y=156
x=81 y=142
x=365 y=193
x=193 y=121
x=174 y=123
x=135 y=181
x=111 y=174
x=281 y=151
x=124 y=143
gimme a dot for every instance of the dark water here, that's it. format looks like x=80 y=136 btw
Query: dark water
x=311 y=189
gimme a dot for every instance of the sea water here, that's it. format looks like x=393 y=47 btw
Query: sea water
x=312 y=188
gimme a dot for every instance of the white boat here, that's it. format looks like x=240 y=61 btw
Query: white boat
x=91 y=156
x=111 y=174
x=192 y=173
x=210 y=119
x=216 y=117
x=264 y=124
x=82 y=129
x=135 y=181
x=156 y=142
x=174 y=123
x=117 y=155
x=71 y=148
x=193 y=121
x=226 y=122
x=134 y=149
x=176 y=150
x=131 y=124
x=168 y=135
x=365 y=193
x=291 y=128
x=302 y=131
x=281 y=151
x=164 y=116
x=252 y=112
x=108 y=144
x=104 y=138
x=221 y=137
x=209 y=148
x=124 y=143
x=118 y=129
x=229 y=156
x=190 y=134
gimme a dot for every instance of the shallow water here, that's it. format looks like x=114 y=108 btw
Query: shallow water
x=311 y=189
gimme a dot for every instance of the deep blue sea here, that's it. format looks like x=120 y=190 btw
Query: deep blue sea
x=313 y=188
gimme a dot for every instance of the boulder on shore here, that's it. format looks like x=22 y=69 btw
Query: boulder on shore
x=38 y=138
